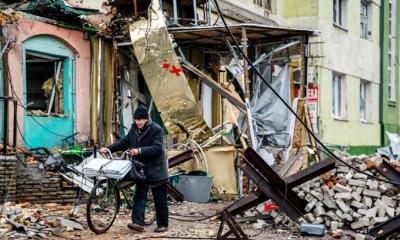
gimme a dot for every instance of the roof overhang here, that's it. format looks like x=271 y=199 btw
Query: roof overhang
x=254 y=32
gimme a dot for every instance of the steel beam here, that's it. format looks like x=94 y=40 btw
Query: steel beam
x=386 y=229
x=174 y=193
x=245 y=203
x=311 y=172
x=388 y=171
x=180 y=158
x=288 y=201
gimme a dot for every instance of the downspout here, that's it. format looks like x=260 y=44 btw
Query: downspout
x=381 y=37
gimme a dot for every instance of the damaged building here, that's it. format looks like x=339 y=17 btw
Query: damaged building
x=84 y=77
x=73 y=73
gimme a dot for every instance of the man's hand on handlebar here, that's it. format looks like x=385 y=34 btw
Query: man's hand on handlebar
x=134 y=151
x=104 y=150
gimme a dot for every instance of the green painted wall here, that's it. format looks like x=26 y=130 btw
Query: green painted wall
x=295 y=8
x=390 y=111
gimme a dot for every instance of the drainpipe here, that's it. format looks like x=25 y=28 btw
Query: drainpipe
x=381 y=37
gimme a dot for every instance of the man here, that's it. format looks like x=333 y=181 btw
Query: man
x=145 y=141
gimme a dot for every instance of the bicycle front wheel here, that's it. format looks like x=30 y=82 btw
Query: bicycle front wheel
x=103 y=205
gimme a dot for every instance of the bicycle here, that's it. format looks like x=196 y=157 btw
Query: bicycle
x=106 y=199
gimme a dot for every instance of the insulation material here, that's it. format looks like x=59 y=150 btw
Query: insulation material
x=164 y=76
x=102 y=87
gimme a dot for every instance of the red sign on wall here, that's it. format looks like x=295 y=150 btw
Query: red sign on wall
x=312 y=94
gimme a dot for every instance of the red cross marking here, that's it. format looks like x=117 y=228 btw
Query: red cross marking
x=175 y=70
x=165 y=65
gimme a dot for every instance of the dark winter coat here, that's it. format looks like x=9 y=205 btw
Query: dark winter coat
x=152 y=154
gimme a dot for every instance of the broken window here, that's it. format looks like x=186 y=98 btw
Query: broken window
x=391 y=51
x=44 y=84
x=364 y=99
x=364 y=19
x=338 y=89
x=339 y=12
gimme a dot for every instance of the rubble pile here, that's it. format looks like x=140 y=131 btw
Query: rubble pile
x=26 y=220
x=346 y=199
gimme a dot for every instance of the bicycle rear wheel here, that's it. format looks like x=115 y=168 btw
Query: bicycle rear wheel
x=103 y=205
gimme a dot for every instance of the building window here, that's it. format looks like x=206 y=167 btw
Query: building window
x=365 y=87
x=364 y=19
x=338 y=12
x=266 y=4
x=44 y=84
x=392 y=51
x=338 y=96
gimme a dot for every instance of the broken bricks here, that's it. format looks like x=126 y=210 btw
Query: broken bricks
x=29 y=221
x=353 y=201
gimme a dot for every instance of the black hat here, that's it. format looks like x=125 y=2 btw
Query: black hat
x=141 y=112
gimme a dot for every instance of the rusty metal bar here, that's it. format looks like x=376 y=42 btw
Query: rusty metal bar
x=311 y=172
x=288 y=201
x=265 y=170
x=386 y=229
x=234 y=227
x=253 y=199
x=388 y=171
x=180 y=158
x=174 y=193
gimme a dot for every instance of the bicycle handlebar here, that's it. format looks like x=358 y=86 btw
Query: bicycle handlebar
x=127 y=152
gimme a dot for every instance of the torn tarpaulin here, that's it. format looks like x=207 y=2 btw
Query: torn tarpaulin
x=271 y=117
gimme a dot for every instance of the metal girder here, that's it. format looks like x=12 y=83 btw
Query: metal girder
x=174 y=193
x=309 y=173
x=388 y=171
x=243 y=204
x=180 y=158
x=288 y=201
x=385 y=229
x=234 y=227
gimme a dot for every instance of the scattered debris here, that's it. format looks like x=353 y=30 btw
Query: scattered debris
x=345 y=199
x=26 y=220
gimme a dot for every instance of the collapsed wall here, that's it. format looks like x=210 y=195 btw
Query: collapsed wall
x=25 y=182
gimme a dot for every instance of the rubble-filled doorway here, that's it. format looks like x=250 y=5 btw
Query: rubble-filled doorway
x=48 y=91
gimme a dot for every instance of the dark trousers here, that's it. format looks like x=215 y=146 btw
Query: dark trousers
x=160 y=202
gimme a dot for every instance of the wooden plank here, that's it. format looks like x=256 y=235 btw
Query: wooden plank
x=298 y=127
x=312 y=139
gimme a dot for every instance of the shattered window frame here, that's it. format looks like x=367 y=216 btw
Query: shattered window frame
x=52 y=101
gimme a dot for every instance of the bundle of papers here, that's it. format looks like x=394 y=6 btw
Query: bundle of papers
x=116 y=169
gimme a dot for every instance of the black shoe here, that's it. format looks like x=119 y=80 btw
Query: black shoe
x=161 y=229
x=136 y=227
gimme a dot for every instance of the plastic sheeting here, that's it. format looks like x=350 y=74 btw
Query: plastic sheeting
x=270 y=115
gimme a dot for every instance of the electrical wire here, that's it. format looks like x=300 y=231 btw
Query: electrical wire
x=288 y=106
